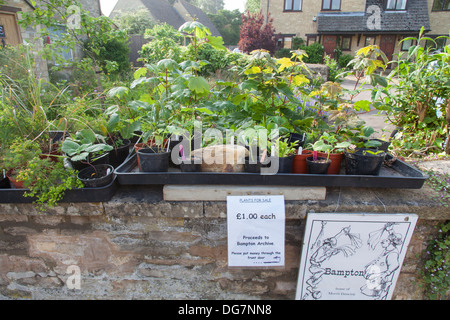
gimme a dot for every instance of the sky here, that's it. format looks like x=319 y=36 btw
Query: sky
x=108 y=5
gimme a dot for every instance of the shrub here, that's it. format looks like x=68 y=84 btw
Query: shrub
x=165 y=44
x=314 y=52
x=344 y=60
x=255 y=34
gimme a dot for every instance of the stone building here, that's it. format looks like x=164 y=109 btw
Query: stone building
x=353 y=24
x=11 y=33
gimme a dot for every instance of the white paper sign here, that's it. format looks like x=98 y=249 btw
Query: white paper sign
x=256 y=226
x=353 y=256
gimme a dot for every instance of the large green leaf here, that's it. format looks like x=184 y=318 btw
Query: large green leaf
x=118 y=92
x=199 y=85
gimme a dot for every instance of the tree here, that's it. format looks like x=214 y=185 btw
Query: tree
x=135 y=22
x=253 y=6
x=208 y=6
x=255 y=34
x=228 y=23
x=70 y=26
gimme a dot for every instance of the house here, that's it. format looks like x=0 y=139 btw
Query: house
x=353 y=24
x=11 y=33
x=174 y=13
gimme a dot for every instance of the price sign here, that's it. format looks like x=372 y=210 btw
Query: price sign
x=256 y=228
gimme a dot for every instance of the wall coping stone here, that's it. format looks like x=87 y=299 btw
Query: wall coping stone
x=148 y=201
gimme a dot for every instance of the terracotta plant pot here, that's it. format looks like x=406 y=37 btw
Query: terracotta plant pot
x=336 y=161
x=12 y=178
x=299 y=166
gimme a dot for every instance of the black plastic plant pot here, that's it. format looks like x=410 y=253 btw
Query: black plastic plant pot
x=190 y=166
x=300 y=137
x=364 y=162
x=318 y=166
x=285 y=164
x=154 y=159
x=253 y=166
x=384 y=144
x=97 y=176
x=80 y=165
x=5 y=183
x=118 y=155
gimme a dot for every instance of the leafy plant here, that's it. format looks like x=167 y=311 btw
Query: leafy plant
x=85 y=147
x=44 y=178
x=416 y=99
x=436 y=268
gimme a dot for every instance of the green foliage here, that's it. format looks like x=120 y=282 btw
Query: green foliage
x=416 y=99
x=228 y=23
x=135 y=22
x=314 y=52
x=344 y=60
x=335 y=69
x=165 y=44
x=436 y=268
x=76 y=28
x=111 y=55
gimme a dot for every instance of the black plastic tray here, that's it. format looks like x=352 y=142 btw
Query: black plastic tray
x=71 y=196
x=400 y=175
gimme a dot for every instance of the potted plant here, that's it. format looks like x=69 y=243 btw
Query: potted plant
x=94 y=174
x=85 y=149
x=43 y=178
x=284 y=152
x=328 y=146
x=154 y=156
x=364 y=158
x=118 y=134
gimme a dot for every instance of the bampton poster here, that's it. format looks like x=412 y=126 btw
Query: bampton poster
x=353 y=256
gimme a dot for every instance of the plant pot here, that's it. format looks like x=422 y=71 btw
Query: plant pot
x=336 y=162
x=118 y=155
x=5 y=183
x=101 y=176
x=361 y=163
x=299 y=165
x=80 y=165
x=285 y=164
x=57 y=136
x=11 y=174
x=384 y=144
x=319 y=166
x=153 y=160
x=190 y=166
x=253 y=166
x=293 y=137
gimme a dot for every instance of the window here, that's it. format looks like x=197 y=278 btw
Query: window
x=310 y=39
x=293 y=5
x=58 y=33
x=346 y=43
x=331 y=4
x=406 y=44
x=439 y=43
x=396 y=4
x=441 y=5
x=369 y=41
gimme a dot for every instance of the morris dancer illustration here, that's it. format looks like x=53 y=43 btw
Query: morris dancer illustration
x=380 y=272
x=327 y=249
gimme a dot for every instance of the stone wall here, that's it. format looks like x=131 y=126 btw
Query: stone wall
x=138 y=246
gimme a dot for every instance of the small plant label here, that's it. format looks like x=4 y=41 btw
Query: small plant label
x=353 y=256
x=256 y=228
